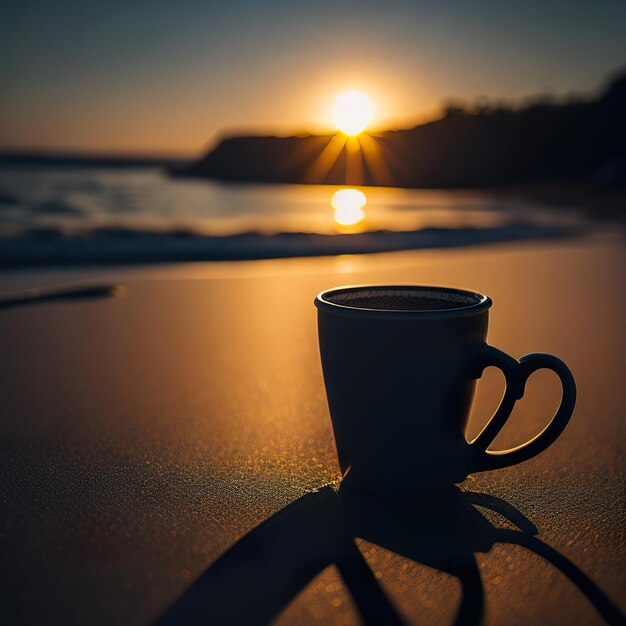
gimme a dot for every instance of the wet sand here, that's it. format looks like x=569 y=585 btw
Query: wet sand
x=144 y=435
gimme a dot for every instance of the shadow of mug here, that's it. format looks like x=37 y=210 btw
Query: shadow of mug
x=400 y=365
x=264 y=571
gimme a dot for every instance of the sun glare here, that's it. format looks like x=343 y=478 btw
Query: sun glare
x=348 y=205
x=352 y=112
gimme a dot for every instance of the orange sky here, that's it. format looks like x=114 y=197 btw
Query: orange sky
x=156 y=77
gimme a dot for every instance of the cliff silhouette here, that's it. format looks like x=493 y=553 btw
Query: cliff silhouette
x=581 y=141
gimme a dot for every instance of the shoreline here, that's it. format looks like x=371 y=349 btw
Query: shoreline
x=118 y=246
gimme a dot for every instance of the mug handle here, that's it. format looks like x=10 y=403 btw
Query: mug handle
x=516 y=374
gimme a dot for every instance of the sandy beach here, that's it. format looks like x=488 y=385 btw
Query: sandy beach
x=276 y=277
x=168 y=423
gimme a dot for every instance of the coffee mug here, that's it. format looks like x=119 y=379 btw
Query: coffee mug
x=400 y=365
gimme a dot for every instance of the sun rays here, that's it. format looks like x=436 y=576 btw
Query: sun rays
x=352 y=157
x=360 y=157
x=350 y=161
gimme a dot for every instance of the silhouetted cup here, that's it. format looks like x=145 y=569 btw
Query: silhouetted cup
x=400 y=366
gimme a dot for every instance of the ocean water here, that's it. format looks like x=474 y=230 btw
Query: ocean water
x=52 y=213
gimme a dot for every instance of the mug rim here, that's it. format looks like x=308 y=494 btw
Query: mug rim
x=483 y=303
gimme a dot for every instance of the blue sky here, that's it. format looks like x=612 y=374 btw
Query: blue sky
x=172 y=76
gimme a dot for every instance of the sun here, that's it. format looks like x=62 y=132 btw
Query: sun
x=352 y=112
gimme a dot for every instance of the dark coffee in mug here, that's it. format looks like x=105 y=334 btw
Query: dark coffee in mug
x=400 y=299
x=400 y=365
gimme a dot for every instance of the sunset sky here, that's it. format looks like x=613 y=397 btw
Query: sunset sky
x=156 y=76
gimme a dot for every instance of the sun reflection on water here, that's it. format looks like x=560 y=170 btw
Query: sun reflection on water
x=348 y=206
